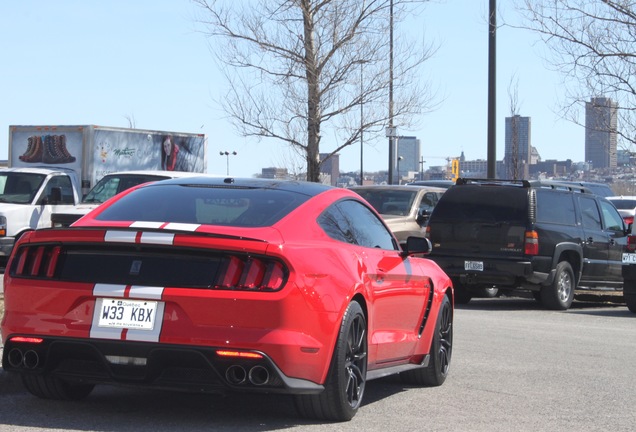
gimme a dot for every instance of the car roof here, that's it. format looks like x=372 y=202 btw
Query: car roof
x=171 y=174
x=304 y=187
x=398 y=188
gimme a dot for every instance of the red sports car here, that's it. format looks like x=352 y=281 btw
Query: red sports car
x=210 y=285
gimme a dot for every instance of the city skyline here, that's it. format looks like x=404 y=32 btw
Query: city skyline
x=156 y=70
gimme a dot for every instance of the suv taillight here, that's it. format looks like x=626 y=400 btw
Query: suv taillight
x=531 y=246
x=631 y=243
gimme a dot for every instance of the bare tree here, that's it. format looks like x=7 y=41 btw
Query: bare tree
x=292 y=68
x=592 y=43
x=130 y=118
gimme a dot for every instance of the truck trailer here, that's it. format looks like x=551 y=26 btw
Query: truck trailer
x=52 y=167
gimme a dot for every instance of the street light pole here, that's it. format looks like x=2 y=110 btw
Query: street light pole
x=227 y=155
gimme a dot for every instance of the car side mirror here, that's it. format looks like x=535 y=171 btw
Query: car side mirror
x=417 y=246
x=422 y=216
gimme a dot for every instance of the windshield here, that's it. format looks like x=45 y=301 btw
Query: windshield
x=389 y=202
x=110 y=186
x=19 y=188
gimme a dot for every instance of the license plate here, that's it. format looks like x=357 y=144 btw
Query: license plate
x=629 y=258
x=125 y=313
x=474 y=265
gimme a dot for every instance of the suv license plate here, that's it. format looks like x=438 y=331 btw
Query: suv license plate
x=474 y=265
x=629 y=258
x=128 y=314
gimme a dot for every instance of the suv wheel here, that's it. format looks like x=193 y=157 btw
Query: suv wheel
x=560 y=294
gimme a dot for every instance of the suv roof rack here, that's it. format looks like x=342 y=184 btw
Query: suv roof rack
x=520 y=183
x=561 y=185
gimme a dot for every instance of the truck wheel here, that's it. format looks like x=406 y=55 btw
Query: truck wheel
x=560 y=295
x=488 y=292
x=630 y=299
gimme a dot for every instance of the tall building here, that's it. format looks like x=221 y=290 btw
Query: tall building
x=330 y=167
x=408 y=147
x=518 y=150
x=601 y=120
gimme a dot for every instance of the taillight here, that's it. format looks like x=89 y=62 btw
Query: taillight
x=254 y=274
x=628 y=220
x=36 y=261
x=239 y=354
x=631 y=243
x=531 y=246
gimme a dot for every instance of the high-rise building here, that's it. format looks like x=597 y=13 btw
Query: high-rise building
x=518 y=150
x=601 y=120
x=408 y=147
x=330 y=167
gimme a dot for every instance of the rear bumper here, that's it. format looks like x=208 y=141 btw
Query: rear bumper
x=149 y=365
x=502 y=273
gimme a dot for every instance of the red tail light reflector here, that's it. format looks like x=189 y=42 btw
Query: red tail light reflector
x=628 y=219
x=239 y=354
x=631 y=243
x=531 y=243
x=24 y=339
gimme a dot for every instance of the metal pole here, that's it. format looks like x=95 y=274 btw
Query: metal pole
x=391 y=155
x=492 y=92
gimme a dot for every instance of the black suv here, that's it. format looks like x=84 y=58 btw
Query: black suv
x=511 y=234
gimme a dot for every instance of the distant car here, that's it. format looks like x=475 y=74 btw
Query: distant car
x=212 y=284
x=626 y=206
x=435 y=183
x=404 y=209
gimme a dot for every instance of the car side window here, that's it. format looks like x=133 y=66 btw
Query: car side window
x=352 y=222
x=590 y=214
x=64 y=183
x=612 y=220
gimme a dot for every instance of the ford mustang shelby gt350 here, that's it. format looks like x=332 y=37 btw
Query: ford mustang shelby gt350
x=212 y=285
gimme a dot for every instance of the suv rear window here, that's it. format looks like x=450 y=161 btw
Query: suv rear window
x=483 y=204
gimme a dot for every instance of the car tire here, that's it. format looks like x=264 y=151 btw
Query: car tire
x=488 y=292
x=346 y=380
x=48 y=387
x=560 y=294
x=441 y=351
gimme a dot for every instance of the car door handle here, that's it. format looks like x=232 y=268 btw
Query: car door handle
x=612 y=242
x=590 y=240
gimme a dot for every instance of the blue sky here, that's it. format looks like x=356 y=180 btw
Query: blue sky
x=75 y=62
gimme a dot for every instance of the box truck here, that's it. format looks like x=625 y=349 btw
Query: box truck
x=52 y=167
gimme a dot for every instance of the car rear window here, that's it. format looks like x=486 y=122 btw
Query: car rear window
x=204 y=204
x=624 y=204
x=487 y=204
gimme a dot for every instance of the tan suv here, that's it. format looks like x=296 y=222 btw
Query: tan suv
x=405 y=209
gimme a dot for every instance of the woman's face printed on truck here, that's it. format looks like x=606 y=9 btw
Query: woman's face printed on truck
x=167 y=146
